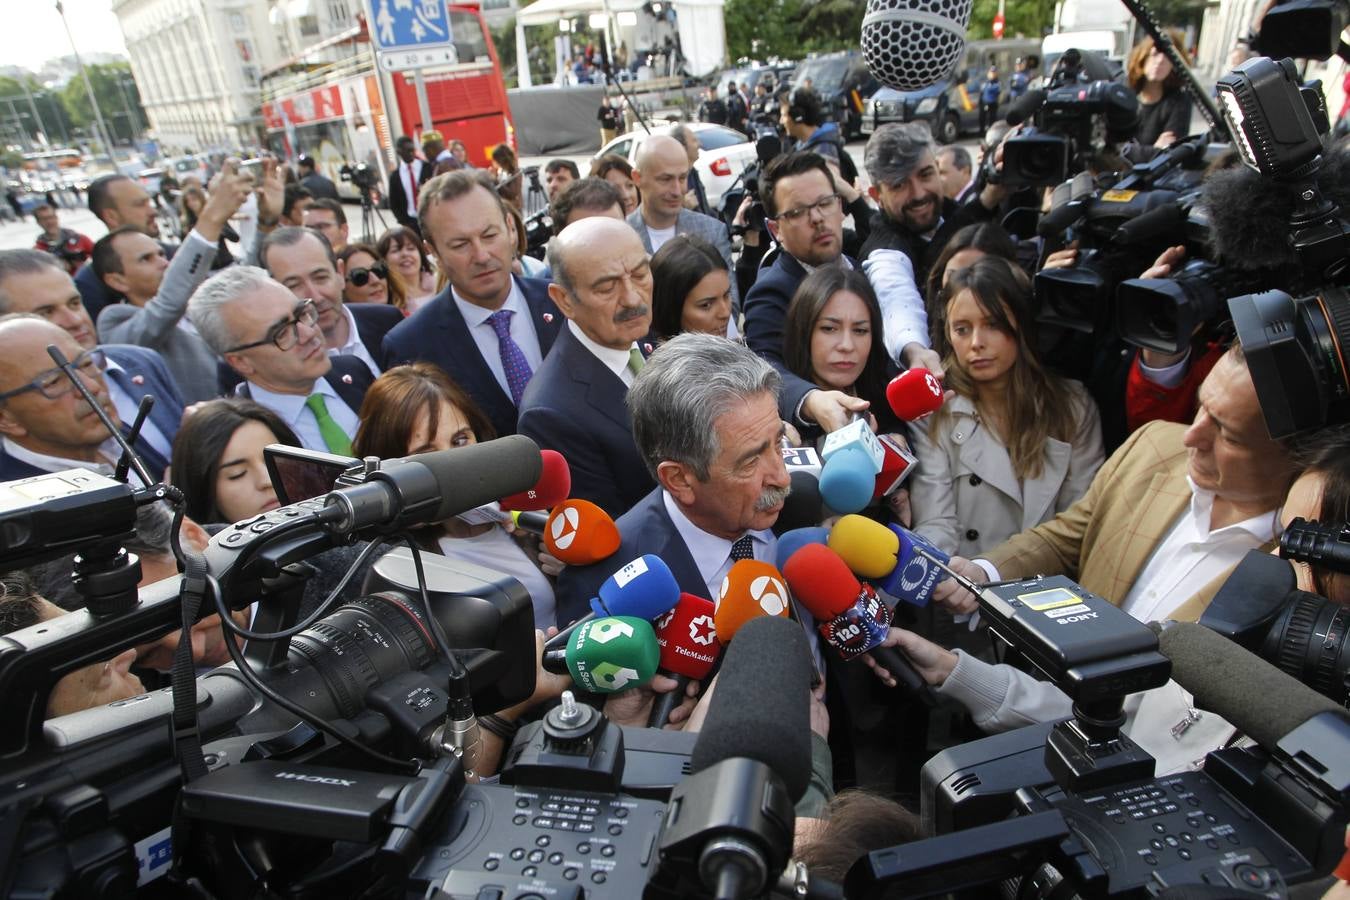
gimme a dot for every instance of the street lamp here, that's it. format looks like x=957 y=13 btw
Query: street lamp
x=89 y=88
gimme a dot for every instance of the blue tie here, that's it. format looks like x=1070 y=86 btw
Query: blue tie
x=517 y=367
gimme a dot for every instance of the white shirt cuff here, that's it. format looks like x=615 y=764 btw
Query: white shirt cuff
x=1167 y=376
x=989 y=569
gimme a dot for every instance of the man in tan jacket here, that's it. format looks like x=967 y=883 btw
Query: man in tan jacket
x=1167 y=517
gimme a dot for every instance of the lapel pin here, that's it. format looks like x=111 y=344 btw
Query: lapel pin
x=548 y=317
x=138 y=379
x=647 y=348
x=346 y=379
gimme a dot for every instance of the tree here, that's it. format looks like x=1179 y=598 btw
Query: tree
x=831 y=24
x=539 y=39
x=1029 y=17
x=758 y=30
x=54 y=120
x=118 y=99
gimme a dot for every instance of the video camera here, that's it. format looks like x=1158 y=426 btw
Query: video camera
x=767 y=148
x=361 y=175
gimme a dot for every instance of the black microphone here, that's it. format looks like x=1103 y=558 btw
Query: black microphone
x=802 y=508
x=1260 y=700
x=1024 y=107
x=432 y=487
x=911 y=44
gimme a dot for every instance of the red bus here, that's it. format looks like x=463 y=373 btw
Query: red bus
x=347 y=112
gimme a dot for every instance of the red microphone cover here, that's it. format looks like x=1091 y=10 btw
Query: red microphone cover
x=751 y=589
x=552 y=488
x=580 y=533
x=821 y=580
x=688 y=638
x=914 y=393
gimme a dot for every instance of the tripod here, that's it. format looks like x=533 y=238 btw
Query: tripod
x=370 y=214
x=610 y=80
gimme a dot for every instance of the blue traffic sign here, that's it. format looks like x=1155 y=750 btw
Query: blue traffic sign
x=409 y=24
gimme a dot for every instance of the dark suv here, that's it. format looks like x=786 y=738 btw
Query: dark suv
x=843 y=83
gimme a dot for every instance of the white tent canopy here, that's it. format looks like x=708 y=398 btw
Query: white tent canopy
x=702 y=30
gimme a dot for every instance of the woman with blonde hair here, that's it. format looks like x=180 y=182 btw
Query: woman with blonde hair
x=1164 y=108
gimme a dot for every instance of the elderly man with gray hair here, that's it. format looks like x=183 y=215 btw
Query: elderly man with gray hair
x=913 y=225
x=705 y=419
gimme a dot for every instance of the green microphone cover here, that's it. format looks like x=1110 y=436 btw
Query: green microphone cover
x=613 y=654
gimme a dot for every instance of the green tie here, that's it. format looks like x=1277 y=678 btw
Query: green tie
x=635 y=360
x=333 y=436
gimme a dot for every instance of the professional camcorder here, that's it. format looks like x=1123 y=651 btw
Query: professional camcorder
x=767 y=148
x=361 y=175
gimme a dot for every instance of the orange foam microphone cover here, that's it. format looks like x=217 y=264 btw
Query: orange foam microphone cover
x=580 y=533
x=751 y=589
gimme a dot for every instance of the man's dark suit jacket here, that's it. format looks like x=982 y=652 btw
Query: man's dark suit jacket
x=398 y=198
x=576 y=406
x=765 y=307
x=349 y=377
x=646 y=528
x=437 y=333
x=147 y=374
x=373 y=322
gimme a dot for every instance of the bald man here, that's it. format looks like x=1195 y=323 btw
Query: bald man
x=662 y=174
x=575 y=403
x=45 y=423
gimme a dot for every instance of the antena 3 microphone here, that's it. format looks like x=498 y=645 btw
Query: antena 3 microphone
x=911 y=44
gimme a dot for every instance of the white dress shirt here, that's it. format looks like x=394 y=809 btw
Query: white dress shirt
x=485 y=337
x=294 y=412
x=407 y=173
x=614 y=360
x=127 y=407
x=355 y=346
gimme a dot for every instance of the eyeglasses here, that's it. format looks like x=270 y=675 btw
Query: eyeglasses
x=287 y=334
x=53 y=383
x=361 y=276
x=825 y=205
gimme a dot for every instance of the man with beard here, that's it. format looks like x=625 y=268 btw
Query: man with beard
x=806 y=216
x=705 y=420
x=913 y=225
x=602 y=282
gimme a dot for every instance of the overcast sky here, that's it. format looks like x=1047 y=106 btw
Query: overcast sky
x=38 y=35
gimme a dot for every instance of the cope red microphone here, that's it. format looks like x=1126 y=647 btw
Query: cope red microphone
x=914 y=394
x=552 y=488
x=687 y=636
x=853 y=618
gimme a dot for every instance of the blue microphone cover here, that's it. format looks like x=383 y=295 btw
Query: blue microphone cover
x=792 y=541
x=914 y=576
x=643 y=589
x=847 y=481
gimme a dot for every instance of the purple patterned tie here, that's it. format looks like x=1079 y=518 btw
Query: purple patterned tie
x=517 y=367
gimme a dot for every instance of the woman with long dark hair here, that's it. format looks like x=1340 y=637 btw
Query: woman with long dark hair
x=691 y=289
x=1016 y=444
x=218 y=460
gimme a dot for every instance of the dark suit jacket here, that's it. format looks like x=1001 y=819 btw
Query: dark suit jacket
x=349 y=377
x=576 y=406
x=148 y=366
x=398 y=198
x=765 y=306
x=12 y=469
x=438 y=333
x=646 y=528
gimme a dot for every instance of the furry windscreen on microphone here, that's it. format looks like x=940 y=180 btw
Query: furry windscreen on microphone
x=1249 y=214
x=760 y=709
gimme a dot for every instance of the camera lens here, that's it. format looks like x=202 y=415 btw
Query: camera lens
x=1309 y=642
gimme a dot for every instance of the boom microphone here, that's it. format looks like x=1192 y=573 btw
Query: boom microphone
x=911 y=44
x=853 y=619
x=1025 y=106
x=689 y=649
x=607 y=655
x=1260 y=700
x=552 y=488
x=432 y=487
x=751 y=589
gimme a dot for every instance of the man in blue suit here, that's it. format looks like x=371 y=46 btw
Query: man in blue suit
x=45 y=423
x=36 y=283
x=705 y=418
x=489 y=330
x=575 y=404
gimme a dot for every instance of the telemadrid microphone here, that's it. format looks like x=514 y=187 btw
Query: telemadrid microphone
x=643 y=589
x=577 y=531
x=751 y=589
x=607 y=655
x=853 y=619
x=791 y=541
x=687 y=637
x=912 y=44
x=552 y=488
x=914 y=393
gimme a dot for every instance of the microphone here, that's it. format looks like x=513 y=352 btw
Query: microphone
x=577 y=531
x=911 y=44
x=868 y=548
x=687 y=637
x=852 y=618
x=751 y=589
x=1024 y=107
x=432 y=487
x=848 y=480
x=896 y=466
x=552 y=488
x=607 y=655
x=1260 y=700
x=802 y=509
x=917 y=571
x=914 y=393
x=792 y=541
x=643 y=589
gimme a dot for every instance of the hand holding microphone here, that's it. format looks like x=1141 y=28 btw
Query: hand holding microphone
x=914 y=394
x=607 y=655
x=933 y=662
x=687 y=636
x=577 y=531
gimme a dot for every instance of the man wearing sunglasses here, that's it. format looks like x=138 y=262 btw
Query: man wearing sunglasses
x=276 y=345
x=46 y=425
x=303 y=260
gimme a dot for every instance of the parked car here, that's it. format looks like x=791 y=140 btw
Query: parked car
x=723 y=153
x=748 y=76
x=150 y=180
x=843 y=82
x=951 y=107
x=190 y=167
